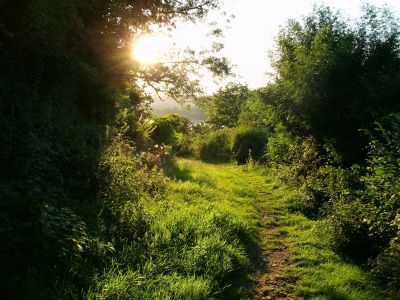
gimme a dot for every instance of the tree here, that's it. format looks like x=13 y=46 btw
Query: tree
x=224 y=107
x=335 y=78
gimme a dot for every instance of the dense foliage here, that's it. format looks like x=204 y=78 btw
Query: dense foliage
x=334 y=77
x=169 y=129
x=248 y=144
x=374 y=209
x=216 y=146
x=223 y=107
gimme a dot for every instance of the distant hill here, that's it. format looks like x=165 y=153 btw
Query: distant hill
x=190 y=111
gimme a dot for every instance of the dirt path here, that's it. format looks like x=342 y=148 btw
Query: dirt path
x=273 y=280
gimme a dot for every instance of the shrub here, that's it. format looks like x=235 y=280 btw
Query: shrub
x=279 y=146
x=248 y=143
x=166 y=128
x=124 y=181
x=349 y=233
x=382 y=194
x=365 y=223
x=304 y=163
x=387 y=264
x=216 y=147
x=324 y=187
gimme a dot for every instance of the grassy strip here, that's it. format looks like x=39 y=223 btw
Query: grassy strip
x=317 y=271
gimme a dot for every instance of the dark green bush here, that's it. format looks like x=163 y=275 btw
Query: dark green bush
x=334 y=78
x=349 y=233
x=307 y=165
x=387 y=263
x=190 y=141
x=248 y=143
x=279 y=147
x=365 y=223
x=167 y=128
x=324 y=187
x=216 y=146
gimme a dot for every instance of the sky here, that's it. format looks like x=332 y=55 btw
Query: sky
x=251 y=33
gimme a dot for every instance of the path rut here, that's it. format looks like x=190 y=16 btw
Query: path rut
x=273 y=280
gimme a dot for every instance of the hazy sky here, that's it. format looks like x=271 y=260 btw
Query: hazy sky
x=251 y=33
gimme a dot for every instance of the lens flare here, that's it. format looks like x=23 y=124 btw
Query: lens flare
x=149 y=49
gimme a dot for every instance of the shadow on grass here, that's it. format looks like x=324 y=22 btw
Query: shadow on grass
x=331 y=294
x=176 y=172
x=242 y=281
x=184 y=173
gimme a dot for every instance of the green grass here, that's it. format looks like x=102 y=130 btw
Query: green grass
x=214 y=203
x=199 y=242
x=243 y=193
x=204 y=238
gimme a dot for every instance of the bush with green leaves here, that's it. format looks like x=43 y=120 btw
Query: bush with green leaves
x=216 y=146
x=387 y=264
x=333 y=78
x=369 y=216
x=169 y=129
x=382 y=192
x=223 y=108
x=280 y=146
x=248 y=143
x=190 y=142
x=323 y=187
x=348 y=231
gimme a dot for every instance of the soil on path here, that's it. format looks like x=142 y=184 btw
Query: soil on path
x=273 y=281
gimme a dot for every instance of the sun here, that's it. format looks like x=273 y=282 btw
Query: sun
x=149 y=49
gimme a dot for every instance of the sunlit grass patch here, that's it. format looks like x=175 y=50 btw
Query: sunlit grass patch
x=137 y=286
x=203 y=241
x=198 y=241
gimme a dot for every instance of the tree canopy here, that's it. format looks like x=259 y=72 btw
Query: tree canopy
x=223 y=107
x=335 y=77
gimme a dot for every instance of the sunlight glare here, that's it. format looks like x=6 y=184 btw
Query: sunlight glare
x=149 y=49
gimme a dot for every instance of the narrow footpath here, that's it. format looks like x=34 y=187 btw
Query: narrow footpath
x=274 y=282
